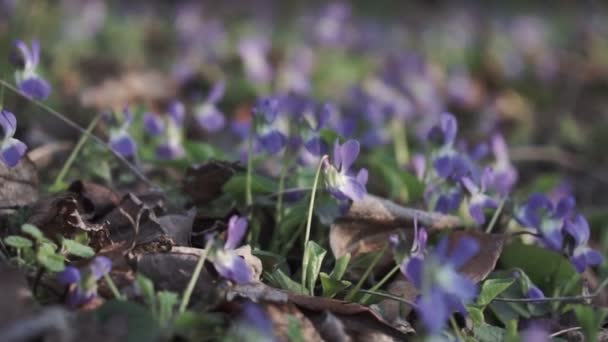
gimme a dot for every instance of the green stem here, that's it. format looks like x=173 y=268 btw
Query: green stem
x=58 y=184
x=376 y=287
x=248 y=190
x=389 y=296
x=368 y=271
x=402 y=153
x=77 y=127
x=276 y=236
x=456 y=329
x=112 y=286
x=311 y=207
x=194 y=279
x=495 y=216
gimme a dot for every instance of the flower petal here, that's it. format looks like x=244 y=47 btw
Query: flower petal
x=35 y=87
x=153 y=124
x=70 y=275
x=465 y=250
x=12 y=151
x=232 y=267
x=8 y=122
x=100 y=266
x=348 y=154
x=237 y=227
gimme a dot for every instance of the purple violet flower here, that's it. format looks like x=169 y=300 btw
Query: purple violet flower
x=341 y=183
x=443 y=290
x=505 y=174
x=11 y=149
x=208 y=116
x=479 y=201
x=153 y=124
x=120 y=139
x=83 y=283
x=253 y=53
x=226 y=261
x=28 y=81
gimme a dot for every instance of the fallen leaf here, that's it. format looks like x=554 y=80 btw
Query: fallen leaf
x=62 y=215
x=172 y=271
x=203 y=183
x=484 y=262
x=97 y=200
x=280 y=315
x=382 y=211
x=360 y=322
x=368 y=223
x=178 y=226
x=19 y=185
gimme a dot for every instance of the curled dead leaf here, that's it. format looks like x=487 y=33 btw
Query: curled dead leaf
x=19 y=185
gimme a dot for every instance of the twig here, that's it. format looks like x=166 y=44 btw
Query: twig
x=77 y=127
x=571 y=299
x=565 y=331
x=66 y=166
x=390 y=296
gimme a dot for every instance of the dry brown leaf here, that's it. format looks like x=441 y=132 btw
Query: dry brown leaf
x=18 y=185
x=279 y=315
x=172 y=271
x=368 y=223
x=360 y=321
x=382 y=211
x=97 y=200
x=484 y=262
x=203 y=183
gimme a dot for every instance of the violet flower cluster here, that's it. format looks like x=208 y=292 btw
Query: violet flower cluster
x=29 y=82
x=11 y=149
x=455 y=173
x=82 y=283
x=561 y=228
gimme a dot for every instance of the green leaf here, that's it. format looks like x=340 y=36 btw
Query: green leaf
x=294 y=329
x=491 y=288
x=199 y=152
x=332 y=286
x=140 y=323
x=316 y=254
x=259 y=184
x=33 y=231
x=545 y=268
x=329 y=136
x=476 y=315
x=167 y=301
x=340 y=267
x=17 y=241
x=47 y=257
x=287 y=283
x=77 y=249
x=146 y=288
x=590 y=319
x=488 y=333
